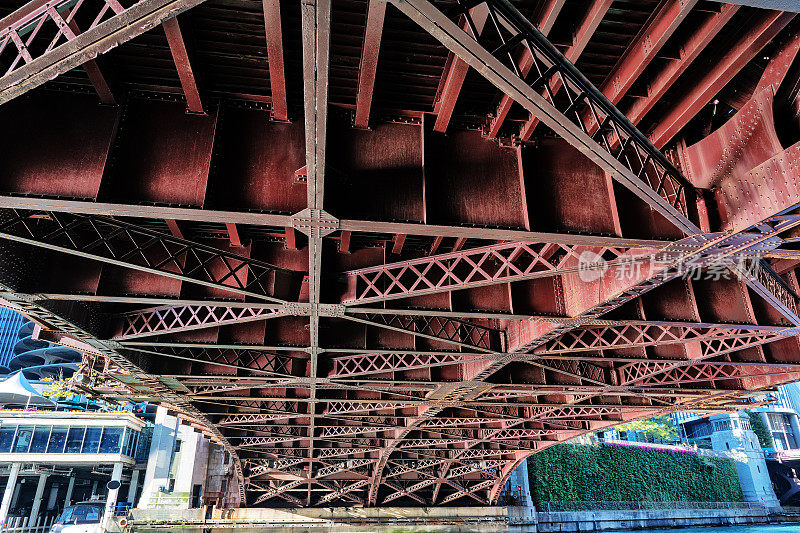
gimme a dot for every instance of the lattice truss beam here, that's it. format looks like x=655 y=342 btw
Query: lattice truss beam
x=325 y=400
x=42 y=39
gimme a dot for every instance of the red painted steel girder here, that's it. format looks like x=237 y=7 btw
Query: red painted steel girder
x=475 y=267
x=696 y=43
x=592 y=19
x=638 y=335
x=120 y=243
x=546 y=19
x=748 y=45
x=458 y=332
x=376 y=13
x=112 y=23
x=455 y=72
x=259 y=361
x=181 y=58
x=172 y=319
x=703 y=372
x=275 y=57
x=648 y=43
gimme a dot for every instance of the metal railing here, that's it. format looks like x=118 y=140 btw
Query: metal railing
x=564 y=506
x=19 y=524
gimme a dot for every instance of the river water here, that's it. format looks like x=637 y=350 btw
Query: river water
x=788 y=528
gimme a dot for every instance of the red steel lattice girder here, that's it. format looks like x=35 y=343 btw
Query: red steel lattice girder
x=172 y=319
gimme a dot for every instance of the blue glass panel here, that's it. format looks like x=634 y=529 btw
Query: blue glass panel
x=126 y=442
x=74 y=440
x=112 y=438
x=40 y=437
x=7 y=438
x=58 y=437
x=92 y=440
x=23 y=440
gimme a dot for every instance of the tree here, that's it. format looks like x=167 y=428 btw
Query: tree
x=56 y=388
x=760 y=429
x=659 y=427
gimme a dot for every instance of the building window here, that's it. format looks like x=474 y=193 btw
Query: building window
x=40 y=437
x=178 y=444
x=58 y=437
x=23 y=440
x=75 y=440
x=7 y=438
x=92 y=440
x=111 y=441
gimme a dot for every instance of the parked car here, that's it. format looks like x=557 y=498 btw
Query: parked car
x=83 y=517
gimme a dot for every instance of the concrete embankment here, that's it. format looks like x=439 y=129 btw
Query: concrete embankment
x=626 y=520
x=460 y=519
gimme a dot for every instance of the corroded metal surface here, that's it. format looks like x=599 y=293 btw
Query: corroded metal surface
x=383 y=253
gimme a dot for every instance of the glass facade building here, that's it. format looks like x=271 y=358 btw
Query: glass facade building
x=10 y=322
x=65 y=439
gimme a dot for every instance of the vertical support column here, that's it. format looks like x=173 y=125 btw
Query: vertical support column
x=518 y=484
x=37 y=500
x=111 y=497
x=159 y=459
x=132 y=488
x=7 y=494
x=15 y=498
x=70 y=488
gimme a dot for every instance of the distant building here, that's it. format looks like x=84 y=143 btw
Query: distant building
x=732 y=435
x=185 y=470
x=54 y=458
x=10 y=322
x=39 y=359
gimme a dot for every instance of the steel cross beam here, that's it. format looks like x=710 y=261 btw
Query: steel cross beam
x=123 y=244
x=257 y=361
x=474 y=267
x=639 y=335
x=35 y=56
x=172 y=319
x=132 y=372
x=657 y=374
x=637 y=164
x=315 y=223
x=449 y=330
x=711 y=340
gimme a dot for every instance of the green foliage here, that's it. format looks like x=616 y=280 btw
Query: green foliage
x=569 y=472
x=760 y=429
x=56 y=388
x=659 y=427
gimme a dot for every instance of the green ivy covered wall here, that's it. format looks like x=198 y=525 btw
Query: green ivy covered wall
x=569 y=472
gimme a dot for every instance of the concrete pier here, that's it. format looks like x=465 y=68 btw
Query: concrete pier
x=501 y=519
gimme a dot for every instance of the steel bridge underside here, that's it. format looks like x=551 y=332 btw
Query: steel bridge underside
x=382 y=252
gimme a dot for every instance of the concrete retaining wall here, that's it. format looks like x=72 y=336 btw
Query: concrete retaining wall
x=461 y=519
x=583 y=521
